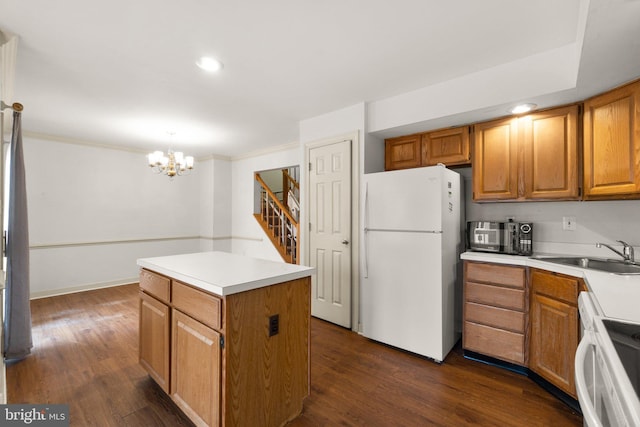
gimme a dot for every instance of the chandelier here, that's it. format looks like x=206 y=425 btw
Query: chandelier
x=171 y=164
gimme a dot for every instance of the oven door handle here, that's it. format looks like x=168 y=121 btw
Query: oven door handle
x=586 y=401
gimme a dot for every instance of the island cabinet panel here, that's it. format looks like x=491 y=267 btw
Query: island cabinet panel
x=235 y=360
x=554 y=328
x=495 y=311
x=155 y=284
x=196 y=370
x=612 y=144
x=154 y=339
x=267 y=373
x=200 y=305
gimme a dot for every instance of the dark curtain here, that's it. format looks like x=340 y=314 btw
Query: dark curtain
x=17 y=320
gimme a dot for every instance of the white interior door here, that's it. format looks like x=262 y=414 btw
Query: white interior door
x=330 y=231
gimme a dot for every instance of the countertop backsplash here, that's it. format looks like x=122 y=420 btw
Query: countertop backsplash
x=596 y=221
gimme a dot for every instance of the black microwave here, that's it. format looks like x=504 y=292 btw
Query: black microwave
x=515 y=238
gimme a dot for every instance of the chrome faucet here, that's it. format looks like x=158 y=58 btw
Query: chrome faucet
x=627 y=250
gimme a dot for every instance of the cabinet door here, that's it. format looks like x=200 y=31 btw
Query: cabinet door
x=554 y=329
x=402 y=152
x=612 y=144
x=195 y=369
x=447 y=146
x=551 y=154
x=495 y=160
x=154 y=339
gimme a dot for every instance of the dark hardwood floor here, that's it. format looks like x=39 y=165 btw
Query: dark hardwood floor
x=85 y=355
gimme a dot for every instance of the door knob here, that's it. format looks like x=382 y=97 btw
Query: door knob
x=345 y=242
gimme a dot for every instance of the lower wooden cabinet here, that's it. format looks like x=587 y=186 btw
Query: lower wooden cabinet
x=524 y=316
x=554 y=328
x=219 y=358
x=495 y=311
x=154 y=339
x=195 y=369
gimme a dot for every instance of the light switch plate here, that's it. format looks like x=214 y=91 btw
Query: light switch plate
x=569 y=223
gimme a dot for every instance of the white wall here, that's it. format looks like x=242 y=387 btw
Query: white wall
x=248 y=238
x=93 y=211
x=215 y=204
x=597 y=221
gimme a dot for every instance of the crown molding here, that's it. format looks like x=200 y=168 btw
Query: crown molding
x=67 y=140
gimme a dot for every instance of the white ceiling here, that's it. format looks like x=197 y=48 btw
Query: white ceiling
x=123 y=72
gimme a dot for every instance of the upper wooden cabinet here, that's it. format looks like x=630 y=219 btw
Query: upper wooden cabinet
x=402 y=152
x=447 y=146
x=534 y=157
x=551 y=154
x=612 y=144
x=495 y=160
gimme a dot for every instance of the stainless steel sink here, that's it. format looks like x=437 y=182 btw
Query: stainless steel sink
x=608 y=265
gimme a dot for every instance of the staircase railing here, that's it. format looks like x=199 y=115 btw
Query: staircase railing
x=289 y=184
x=276 y=220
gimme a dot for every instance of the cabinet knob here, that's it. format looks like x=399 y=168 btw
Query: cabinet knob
x=345 y=242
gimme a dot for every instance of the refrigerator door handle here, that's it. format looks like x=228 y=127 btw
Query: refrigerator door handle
x=366 y=231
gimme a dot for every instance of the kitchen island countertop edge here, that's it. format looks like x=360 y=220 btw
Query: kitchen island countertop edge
x=224 y=273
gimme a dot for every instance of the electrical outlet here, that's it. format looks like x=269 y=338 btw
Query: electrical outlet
x=274 y=325
x=569 y=223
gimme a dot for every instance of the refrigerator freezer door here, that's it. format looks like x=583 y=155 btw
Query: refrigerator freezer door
x=402 y=297
x=409 y=199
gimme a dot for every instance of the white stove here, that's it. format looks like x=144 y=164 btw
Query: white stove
x=607 y=368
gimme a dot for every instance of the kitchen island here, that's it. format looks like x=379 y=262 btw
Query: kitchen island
x=227 y=336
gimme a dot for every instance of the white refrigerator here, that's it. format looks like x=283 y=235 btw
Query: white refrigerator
x=412 y=240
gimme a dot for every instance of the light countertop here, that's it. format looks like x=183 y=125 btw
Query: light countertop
x=224 y=273
x=616 y=295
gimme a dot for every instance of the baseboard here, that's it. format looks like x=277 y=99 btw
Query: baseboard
x=546 y=385
x=83 y=288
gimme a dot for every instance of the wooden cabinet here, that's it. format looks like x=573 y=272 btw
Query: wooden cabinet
x=196 y=370
x=155 y=327
x=495 y=311
x=154 y=339
x=225 y=360
x=402 y=153
x=534 y=157
x=551 y=154
x=495 y=160
x=554 y=328
x=612 y=144
x=447 y=146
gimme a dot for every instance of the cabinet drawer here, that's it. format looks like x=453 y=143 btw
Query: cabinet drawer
x=200 y=305
x=155 y=284
x=496 y=317
x=495 y=295
x=498 y=343
x=556 y=286
x=498 y=274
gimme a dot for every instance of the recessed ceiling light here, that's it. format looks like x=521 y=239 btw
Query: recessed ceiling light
x=522 y=108
x=210 y=64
